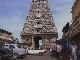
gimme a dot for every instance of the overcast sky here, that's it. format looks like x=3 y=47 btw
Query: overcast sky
x=13 y=14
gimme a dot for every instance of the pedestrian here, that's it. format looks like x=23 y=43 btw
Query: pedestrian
x=58 y=49
x=54 y=48
x=73 y=48
x=54 y=51
x=51 y=50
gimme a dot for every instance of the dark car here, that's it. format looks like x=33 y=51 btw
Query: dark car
x=5 y=53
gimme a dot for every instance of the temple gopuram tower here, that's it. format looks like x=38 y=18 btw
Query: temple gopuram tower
x=39 y=25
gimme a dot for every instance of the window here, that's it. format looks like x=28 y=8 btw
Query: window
x=11 y=46
x=28 y=48
x=1 y=45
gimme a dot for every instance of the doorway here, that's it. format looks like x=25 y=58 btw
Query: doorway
x=37 y=41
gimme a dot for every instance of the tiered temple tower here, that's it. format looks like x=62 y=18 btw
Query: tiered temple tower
x=39 y=25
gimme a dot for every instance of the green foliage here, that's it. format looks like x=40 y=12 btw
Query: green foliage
x=15 y=40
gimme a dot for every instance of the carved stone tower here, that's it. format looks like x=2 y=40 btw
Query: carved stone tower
x=39 y=25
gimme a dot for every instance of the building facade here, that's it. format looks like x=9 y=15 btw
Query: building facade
x=65 y=31
x=39 y=25
x=5 y=36
x=73 y=32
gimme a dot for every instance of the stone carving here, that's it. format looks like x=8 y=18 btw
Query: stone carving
x=40 y=22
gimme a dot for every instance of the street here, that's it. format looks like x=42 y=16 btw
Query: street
x=46 y=56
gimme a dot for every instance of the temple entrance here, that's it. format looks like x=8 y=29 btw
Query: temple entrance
x=37 y=41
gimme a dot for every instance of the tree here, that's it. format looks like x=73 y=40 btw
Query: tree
x=15 y=40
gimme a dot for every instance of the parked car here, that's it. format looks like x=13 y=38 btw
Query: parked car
x=17 y=52
x=35 y=51
x=5 y=54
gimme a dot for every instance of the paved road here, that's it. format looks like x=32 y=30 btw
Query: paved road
x=46 y=56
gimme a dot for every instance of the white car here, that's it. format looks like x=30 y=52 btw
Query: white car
x=17 y=52
x=35 y=51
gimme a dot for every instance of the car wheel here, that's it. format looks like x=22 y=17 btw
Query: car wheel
x=0 y=57
x=16 y=55
x=40 y=53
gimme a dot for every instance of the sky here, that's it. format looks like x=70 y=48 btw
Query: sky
x=13 y=14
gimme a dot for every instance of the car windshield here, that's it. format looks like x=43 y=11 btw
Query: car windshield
x=2 y=45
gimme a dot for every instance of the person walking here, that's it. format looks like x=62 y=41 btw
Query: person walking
x=59 y=48
x=73 y=48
